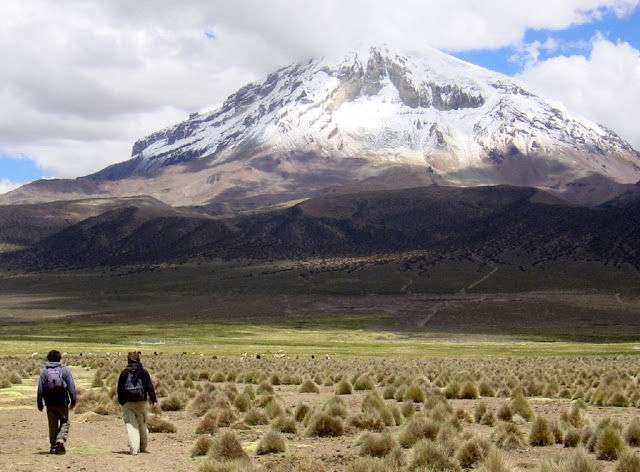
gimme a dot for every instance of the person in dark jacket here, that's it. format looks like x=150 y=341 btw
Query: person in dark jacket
x=58 y=401
x=134 y=409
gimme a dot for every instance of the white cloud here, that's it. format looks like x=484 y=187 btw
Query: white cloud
x=6 y=185
x=603 y=87
x=80 y=81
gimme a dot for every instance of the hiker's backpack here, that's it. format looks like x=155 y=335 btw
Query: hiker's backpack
x=134 y=392
x=53 y=381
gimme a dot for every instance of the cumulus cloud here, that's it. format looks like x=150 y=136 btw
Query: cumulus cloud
x=603 y=86
x=81 y=81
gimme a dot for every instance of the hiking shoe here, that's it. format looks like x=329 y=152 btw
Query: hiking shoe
x=59 y=448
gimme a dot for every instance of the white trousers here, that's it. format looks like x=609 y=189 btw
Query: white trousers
x=135 y=419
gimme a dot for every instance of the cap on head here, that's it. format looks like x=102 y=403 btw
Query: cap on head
x=54 y=356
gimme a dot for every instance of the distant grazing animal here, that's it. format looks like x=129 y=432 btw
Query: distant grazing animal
x=257 y=356
x=327 y=356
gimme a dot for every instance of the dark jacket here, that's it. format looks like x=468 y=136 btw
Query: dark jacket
x=138 y=372
x=60 y=398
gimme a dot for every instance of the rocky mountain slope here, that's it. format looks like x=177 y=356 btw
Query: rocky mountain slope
x=371 y=119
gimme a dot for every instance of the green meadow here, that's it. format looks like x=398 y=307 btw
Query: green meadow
x=228 y=339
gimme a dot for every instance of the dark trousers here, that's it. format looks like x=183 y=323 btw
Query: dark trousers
x=58 y=417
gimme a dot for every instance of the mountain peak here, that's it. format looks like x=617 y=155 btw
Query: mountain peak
x=342 y=121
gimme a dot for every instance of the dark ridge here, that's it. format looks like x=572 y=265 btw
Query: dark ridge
x=502 y=224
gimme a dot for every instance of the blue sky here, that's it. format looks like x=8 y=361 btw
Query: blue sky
x=574 y=40
x=83 y=80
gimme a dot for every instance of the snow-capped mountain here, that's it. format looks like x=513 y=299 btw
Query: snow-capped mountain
x=374 y=117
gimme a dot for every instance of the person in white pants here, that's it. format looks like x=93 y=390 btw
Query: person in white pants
x=134 y=387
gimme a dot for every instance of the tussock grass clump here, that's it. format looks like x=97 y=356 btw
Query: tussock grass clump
x=156 y=424
x=15 y=378
x=556 y=429
x=309 y=386
x=369 y=421
x=397 y=416
x=272 y=442
x=324 y=425
x=579 y=461
x=508 y=436
x=249 y=391
x=265 y=387
x=372 y=464
x=302 y=410
x=541 y=433
x=208 y=424
x=408 y=408
x=372 y=404
x=628 y=462
x=243 y=465
x=505 y=413
x=400 y=391
x=575 y=415
x=430 y=455
x=225 y=417
x=254 y=416
x=609 y=444
x=389 y=392
x=571 y=437
x=469 y=391
x=619 y=399
x=417 y=428
x=441 y=413
x=226 y=447
x=284 y=424
x=344 y=387
x=242 y=402
x=263 y=400
x=520 y=405
x=452 y=390
x=632 y=433
x=488 y=419
x=201 y=446
x=495 y=462
x=335 y=406
x=377 y=445
x=472 y=452
x=415 y=393
x=174 y=402
x=486 y=390
x=274 y=408
x=364 y=382
x=275 y=379
x=291 y=379
x=479 y=411
x=200 y=404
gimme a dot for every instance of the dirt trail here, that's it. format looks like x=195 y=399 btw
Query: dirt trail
x=439 y=306
x=95 y=442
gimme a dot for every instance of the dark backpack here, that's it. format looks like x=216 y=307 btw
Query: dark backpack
x=53 y=381
x=134 y=392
